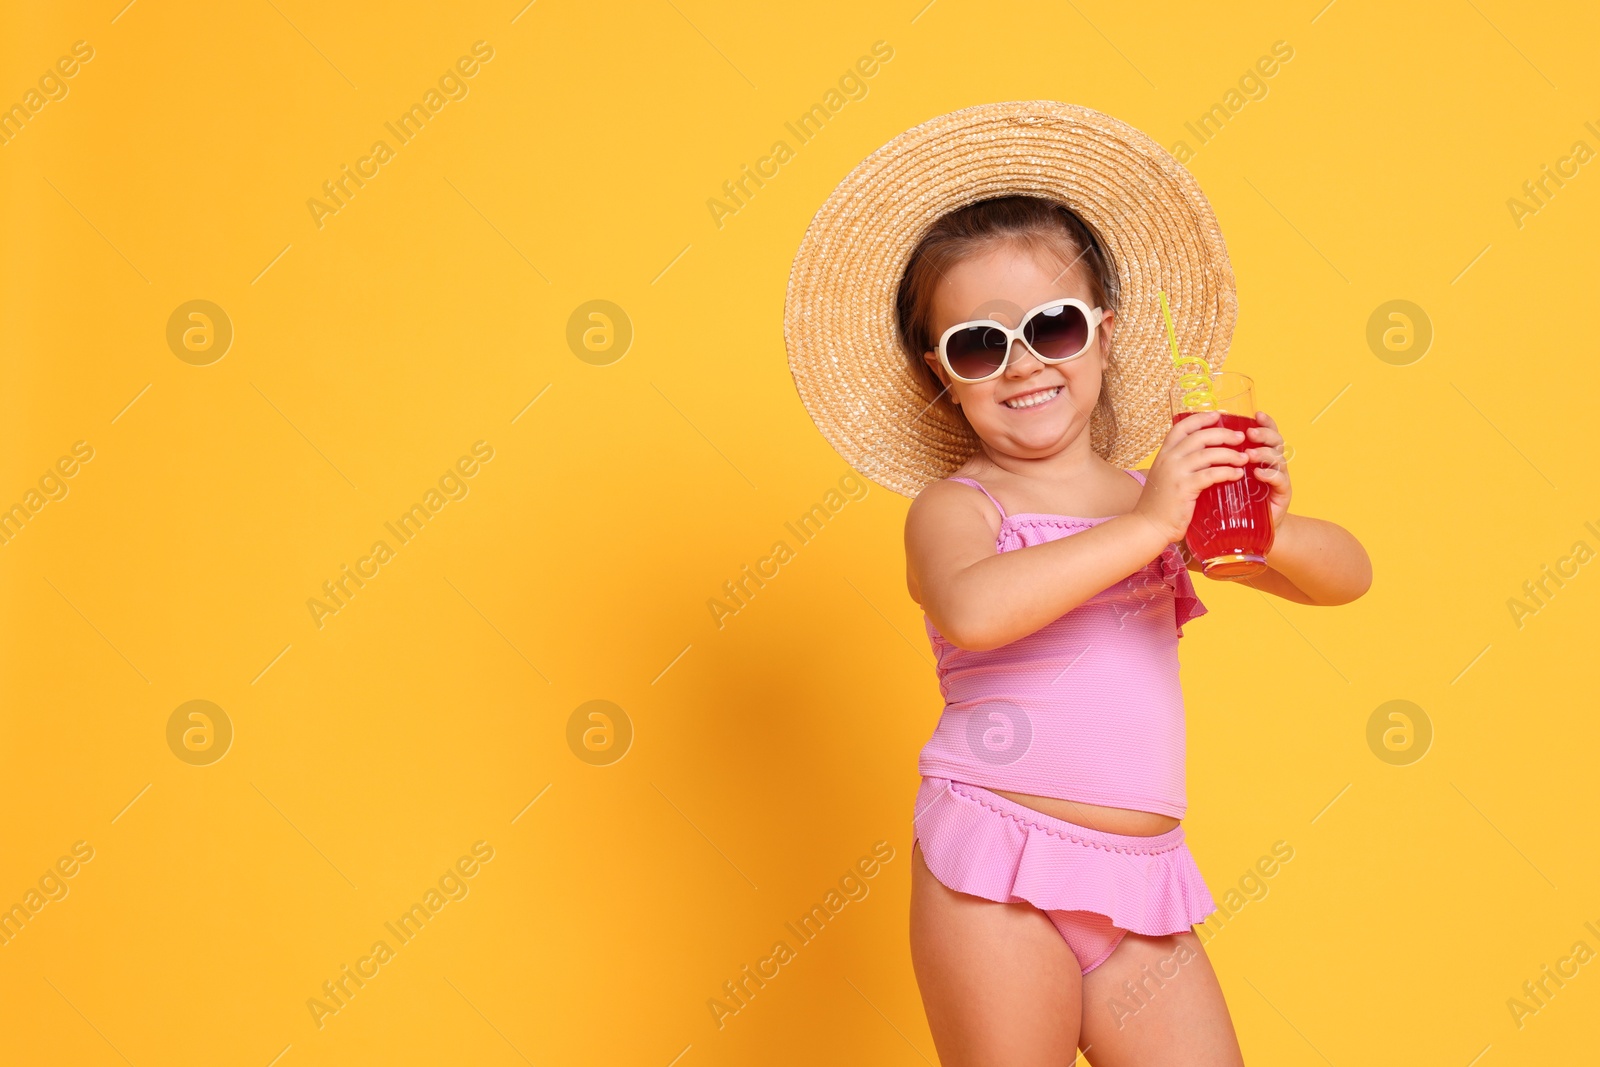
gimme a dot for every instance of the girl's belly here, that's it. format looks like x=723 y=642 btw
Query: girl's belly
x=1096 y=816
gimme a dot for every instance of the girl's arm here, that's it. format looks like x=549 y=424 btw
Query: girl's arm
x=1312 y=561
x=981 y=599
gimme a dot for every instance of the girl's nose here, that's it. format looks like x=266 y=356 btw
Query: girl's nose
x=1021 y=356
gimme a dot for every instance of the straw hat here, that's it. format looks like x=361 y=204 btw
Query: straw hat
x=856 y=379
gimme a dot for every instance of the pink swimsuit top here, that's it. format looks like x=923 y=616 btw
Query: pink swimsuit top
x=1086 y=708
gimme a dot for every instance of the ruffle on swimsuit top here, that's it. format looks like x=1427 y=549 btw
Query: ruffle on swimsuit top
x=1186 y=601
x=1021 y=531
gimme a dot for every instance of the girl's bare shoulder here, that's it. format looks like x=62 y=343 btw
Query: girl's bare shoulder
x=944 y=502
x=948 y=524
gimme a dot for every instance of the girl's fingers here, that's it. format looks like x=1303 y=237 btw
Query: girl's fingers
x=1198 y=421
x=1219 y=454
x=1278 y=478
x=1269 y=456
x=1265 y=434
x=1266 y=431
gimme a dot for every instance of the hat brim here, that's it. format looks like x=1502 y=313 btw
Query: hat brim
x=849 y=364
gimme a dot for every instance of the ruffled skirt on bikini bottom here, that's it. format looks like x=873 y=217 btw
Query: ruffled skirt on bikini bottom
x=978 y=842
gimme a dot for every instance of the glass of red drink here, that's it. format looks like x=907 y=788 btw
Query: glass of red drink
x=1231 y=530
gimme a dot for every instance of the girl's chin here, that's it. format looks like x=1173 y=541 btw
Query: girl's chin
x=1041 y=434
x=1051 y=423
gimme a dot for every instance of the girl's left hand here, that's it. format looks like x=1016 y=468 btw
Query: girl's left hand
x=1274 y=472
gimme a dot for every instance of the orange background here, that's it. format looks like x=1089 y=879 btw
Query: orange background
x=739 y=773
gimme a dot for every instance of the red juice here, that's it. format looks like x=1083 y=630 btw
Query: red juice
x=1231 y=529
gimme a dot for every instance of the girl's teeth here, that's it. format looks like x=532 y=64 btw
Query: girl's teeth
x=1033 y=398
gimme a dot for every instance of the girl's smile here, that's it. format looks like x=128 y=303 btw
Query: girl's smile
x=1033 y=399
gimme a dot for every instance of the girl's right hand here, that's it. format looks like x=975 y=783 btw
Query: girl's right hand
x=1192 y=457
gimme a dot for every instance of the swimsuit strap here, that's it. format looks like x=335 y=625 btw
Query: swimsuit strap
x=992 y=500
x=1136 y=475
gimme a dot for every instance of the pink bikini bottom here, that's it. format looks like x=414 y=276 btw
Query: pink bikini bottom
x=1092 y=885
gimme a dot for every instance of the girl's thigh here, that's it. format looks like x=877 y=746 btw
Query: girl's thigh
x=1156 y=1002
x=998 y=983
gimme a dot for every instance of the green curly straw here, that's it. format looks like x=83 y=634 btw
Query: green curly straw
x=1172 y=337
x=1195 y=396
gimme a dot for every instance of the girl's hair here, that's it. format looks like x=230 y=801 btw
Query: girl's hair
x=1045 y=228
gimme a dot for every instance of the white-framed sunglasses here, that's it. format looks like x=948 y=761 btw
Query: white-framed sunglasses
x=1055 y=332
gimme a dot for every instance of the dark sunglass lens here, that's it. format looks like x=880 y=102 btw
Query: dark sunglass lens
x=976 y=351
x=1058 y=332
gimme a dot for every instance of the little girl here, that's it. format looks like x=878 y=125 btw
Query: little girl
x=1052 y=893
x=1050 y=876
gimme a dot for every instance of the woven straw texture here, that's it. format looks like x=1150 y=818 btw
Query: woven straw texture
x=849 y=363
